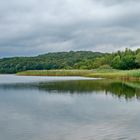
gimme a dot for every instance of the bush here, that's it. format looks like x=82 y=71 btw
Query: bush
x=105 y=67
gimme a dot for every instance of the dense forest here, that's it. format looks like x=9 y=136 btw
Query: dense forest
x=123 y=60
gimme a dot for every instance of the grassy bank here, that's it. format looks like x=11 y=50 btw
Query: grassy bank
x=56 y=72
x=117 y=74
x=98 y=73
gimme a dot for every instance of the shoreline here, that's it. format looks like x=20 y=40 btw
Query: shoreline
x=126 y=75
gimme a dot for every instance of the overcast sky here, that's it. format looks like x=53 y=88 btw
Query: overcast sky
x=32 y=27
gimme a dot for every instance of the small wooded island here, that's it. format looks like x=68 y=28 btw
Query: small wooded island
x=120 y=65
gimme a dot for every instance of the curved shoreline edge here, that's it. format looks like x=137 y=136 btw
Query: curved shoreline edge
x=98 y=73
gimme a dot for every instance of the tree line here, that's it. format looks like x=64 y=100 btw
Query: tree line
x=124 y=60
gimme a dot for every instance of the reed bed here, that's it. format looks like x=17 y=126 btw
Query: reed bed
x=97 y=73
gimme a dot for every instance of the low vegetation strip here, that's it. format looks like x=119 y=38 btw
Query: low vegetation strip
x=117 y=74
x=107 y=73
x=55 y=72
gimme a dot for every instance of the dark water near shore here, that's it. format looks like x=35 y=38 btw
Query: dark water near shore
x=68 y=108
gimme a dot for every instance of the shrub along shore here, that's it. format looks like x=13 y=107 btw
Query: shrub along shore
x=98 y=73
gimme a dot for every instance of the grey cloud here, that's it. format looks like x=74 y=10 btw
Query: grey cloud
x=31 y=27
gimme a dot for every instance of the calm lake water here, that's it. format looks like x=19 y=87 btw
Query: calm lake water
x=68 y=108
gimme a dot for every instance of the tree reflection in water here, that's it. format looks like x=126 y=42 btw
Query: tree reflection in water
x=127 y=90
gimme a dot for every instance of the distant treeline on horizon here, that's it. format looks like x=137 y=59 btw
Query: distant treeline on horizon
x=123 y=60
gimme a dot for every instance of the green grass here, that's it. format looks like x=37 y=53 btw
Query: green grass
x=117 y=74
x=98 y=73
x=55 y=72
